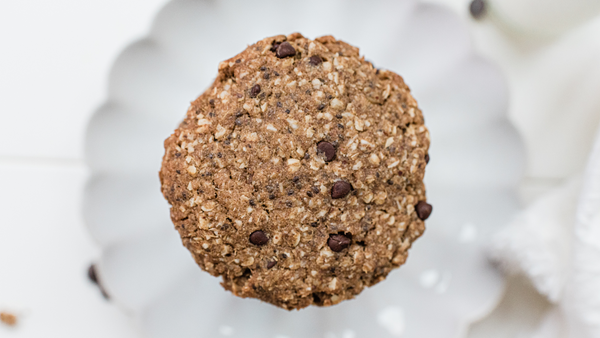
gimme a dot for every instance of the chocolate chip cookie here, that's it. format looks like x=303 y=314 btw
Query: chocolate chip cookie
x=298 y=175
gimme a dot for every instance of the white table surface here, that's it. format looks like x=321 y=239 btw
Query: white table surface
x=54 y=61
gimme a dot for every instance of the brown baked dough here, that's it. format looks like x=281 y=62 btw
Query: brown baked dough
x=298 y=175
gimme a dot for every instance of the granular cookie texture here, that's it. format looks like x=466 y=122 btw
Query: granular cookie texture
x=298 y=175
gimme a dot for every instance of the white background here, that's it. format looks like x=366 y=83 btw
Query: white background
x=54 y=62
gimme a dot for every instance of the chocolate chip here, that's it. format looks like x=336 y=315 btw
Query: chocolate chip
x=284 y=50
x=279 y=104
x=275 y=46
x=338 y=242
x=238 y=61
x=306 y=156
x=271 y=264
x=316 y=189
x=423 y=209
x=258 y=238
x=338 y=116
x=340 y=189
x=276 y=74
x=427 y=158
x=321 y=107
x=263 y=68
x=315 y=60
x=266 y=76
x=296 y=179
x=252 y=203
x=309 y=193
x=477 y=8
x=290 y=192
x=326 y=148
x=271 y=197
x=254 y=90
x=92 y=274
x=314 y=224
x=289 y=204
x=211 y=102
x=287 y=111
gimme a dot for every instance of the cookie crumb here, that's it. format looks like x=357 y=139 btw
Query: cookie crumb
x=8 y=318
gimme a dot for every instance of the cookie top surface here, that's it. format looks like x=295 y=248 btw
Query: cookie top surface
x=298 y=175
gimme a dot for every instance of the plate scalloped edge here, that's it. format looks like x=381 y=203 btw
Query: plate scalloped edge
x=477 y=160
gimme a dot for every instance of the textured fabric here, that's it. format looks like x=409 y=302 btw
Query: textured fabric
x=556 y=243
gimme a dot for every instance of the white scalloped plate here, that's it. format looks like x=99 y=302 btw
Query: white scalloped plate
x=476 y=162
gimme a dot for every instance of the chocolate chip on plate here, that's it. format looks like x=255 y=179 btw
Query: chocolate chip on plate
x=477 y=8
x=92 y=274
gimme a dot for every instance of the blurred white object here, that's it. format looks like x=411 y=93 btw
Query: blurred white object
x=539 y=241
x=543 y=17
x=556 y=243
x=554 y=83
x=582 y=292
x=554 y=99
x=476 y=163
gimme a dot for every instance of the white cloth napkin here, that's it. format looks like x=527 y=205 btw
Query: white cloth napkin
x=556 y=243
x=554 y=85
